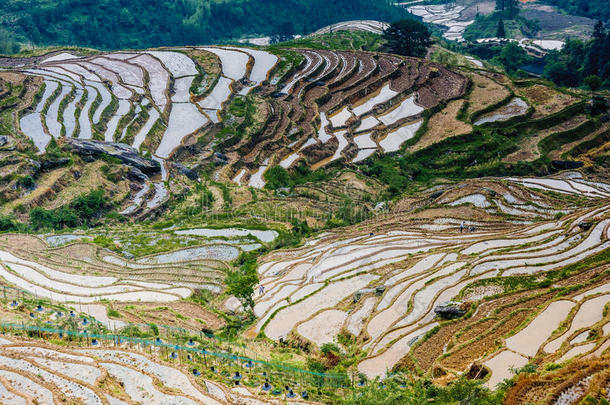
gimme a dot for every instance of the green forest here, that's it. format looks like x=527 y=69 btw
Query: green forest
x=112 y=24
x=579 y=60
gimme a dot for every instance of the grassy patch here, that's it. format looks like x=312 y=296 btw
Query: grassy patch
x=485 y=26
x=340 y=40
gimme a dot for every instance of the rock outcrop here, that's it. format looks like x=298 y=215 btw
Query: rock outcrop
x=125 y=153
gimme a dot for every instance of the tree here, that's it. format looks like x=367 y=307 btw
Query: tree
x=513 y=7
x=276 y=177
x=8 y=223
x=594 y=83
x=501 y=32
x=597 y=56
x=408 y=37
x=241 y=282
x=512 y=57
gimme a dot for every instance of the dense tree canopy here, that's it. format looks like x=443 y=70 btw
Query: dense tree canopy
x=501 y=31
x=511 y=7
x=408 y=37
x=512 y=57
x=115 y=24
x=578 y=60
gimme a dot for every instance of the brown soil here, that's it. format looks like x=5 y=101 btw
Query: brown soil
x=367 y=65
x=443 y=125
x=171 y=314
x=461 y=212
x=321 y=151
x=545 y=100
x=31 y=83
x=30 y=243
x=546 y=387
x=350 y=64
x=436 y=83
x=485 y=92
x=12 y=77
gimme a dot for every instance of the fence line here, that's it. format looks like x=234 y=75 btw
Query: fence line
x=117 y=339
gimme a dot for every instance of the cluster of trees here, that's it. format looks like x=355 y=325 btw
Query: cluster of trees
x=8 y=44
x=579 y=60
x=505 y=22
x=511 y=57
x=278 y=177
x=408 y=37
x=85 y=209
x=81 y=211
x=510 y=7
x=112 y=24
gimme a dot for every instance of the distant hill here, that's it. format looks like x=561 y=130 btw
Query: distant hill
x=114 y=24
x=597 y=10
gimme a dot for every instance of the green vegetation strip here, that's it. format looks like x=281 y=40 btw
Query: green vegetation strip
x=556 y=140
x=158 y=343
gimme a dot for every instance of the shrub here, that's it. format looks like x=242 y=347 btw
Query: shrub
x=277 y=177
x=113 y=313
x=330 y=348
x=81 y=211
x=8 y=224
x=26 y=182
x=241 y=282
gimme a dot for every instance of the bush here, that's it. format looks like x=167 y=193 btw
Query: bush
x=27 y=182
x=330 y=348
x=9 y=224
x=412 y=392
x=105 y=242
x=81 y=211
x=87 y=205
x=113 y=313
x=241 y=282
x=63 y=217
x=112 y=176
x=277 y=177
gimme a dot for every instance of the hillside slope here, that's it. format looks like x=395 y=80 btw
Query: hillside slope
x=141 y=24
x=263 y=224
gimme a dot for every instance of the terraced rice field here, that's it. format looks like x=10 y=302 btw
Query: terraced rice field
x=365 y=92
x=373 y=26
x=446 y=15
x=516 y=107
x=400 y=276
x=390 y=110
x=130 y=81
x=33 y=372
x=440 y=277
x=82 y=273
